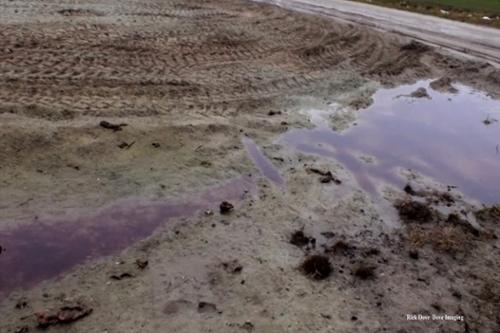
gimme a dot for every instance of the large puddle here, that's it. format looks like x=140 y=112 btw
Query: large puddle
x=452 y=138
x=46 y=248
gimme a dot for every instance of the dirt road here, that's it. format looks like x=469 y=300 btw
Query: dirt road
x=125 y=125
x=479 y=41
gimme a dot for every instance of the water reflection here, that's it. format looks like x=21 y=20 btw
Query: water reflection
x=443 y=137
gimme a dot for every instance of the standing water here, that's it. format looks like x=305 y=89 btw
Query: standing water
x=452 y=138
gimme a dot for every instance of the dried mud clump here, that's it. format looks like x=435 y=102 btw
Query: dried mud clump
x=206 y=307
x=444 y=84
x=141 y=264
x=317 y=267
x=64 y=315
x=414 y=211
x=114 y=127
x=415 y=46
x=456 y=220
x=420 y=93
x=365 y=272
x=326 y=176
x=340 y=247
x=409 y=190
x=226 y=207
x=489 y=214
x=232 y=267
x=78 y=12
x=299 y=239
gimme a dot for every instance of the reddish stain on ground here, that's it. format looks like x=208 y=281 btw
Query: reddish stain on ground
x=48 y=247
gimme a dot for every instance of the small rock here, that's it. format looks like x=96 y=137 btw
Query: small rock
x=233 y=267
x=141 y=264
x=413 y=254
x=273 y=113
x=299 y=239
x=408 y=189
x=205 y=307
x=226 y=207
x=414 y=211
x=420 y=93
x=21 y=304
x=114 y=127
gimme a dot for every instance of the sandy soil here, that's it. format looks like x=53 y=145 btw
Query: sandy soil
x=190 y=79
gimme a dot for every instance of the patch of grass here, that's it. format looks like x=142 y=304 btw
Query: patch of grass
x=460 y=10
x=449 y=239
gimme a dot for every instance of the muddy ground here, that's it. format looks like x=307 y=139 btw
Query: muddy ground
x=190 y=79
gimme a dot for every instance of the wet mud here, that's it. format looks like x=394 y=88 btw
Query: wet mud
x=48 y=247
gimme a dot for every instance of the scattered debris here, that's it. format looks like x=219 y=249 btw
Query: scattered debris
x=327 y=176
x=326 y=316
x=247 y=326
x=455 y=219
x=489 y=121
x=77 y=12
x=115 y=127
x=226 y=207
x=121 y=276
x=415 y=46
x=408 y=189
x=420 y=93
x=126 y=145
x=371 y=252
x=444 y=84
x=340 y=247
x=233 y=267
x=414 y=254
x=273 y=113
x=491 y=213
x=365 y=272
x=209 y=212
x=65 y=314
x=205 y=307
x=22 y=329
x=21 y=304
x=206 y=164
x=141 y=264
x=317 y=267
x=328 y=234
x=414 y=211
x=299 y=239
x=76 y=167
